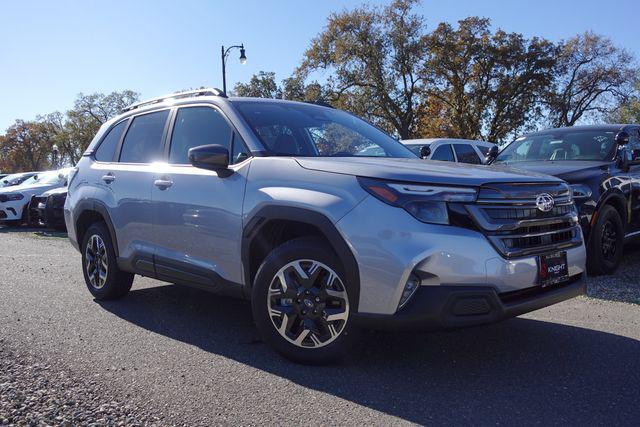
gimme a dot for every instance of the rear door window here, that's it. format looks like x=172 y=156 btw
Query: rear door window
x=107 y=148
x=443 y=153
x=466 y=154
x=143 y=141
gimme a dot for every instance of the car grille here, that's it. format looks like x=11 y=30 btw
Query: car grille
x=508 y=215
x=38 y=199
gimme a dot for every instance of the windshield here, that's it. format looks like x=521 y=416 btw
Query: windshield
x=44 y=178
x=561 y=145
x=288 y=129
x=415 y=148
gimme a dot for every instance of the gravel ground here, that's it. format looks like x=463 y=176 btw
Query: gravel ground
x=191 y=358
x=624 y=286
x=33 y=392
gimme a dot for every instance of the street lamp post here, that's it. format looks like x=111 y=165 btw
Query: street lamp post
x=54 y=155
x=224 y=54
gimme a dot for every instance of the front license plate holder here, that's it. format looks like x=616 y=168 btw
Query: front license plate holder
x=552 y=268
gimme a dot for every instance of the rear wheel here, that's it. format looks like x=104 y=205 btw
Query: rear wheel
x=301 y=302
x=101 y=273
x=606 y=242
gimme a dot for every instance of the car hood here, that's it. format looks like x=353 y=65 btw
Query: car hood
x=54 y=191
x=427 y=171
x=29 y=190
x=567 y=170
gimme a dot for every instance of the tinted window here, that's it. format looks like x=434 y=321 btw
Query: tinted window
x=443 y=153
x=560 y=145
x=240 y=151
x=143 y=142
x=415 y=148
x=466 y=154
x=196 y=126
x=107 y=147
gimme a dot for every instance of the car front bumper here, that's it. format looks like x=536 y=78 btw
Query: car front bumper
x=11 y=211
x=391 y=246
x=451 y=307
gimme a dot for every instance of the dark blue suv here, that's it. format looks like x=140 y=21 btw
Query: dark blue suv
x=602 y=165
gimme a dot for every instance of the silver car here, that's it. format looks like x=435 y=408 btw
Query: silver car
x=450 y=149
x=323 y=221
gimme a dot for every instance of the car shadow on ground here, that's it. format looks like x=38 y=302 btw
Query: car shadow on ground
x=519 y=371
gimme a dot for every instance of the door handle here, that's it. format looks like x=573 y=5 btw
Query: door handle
x=163 y=184
x=109 y=178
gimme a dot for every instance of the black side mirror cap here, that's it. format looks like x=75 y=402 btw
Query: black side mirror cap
x=211 y=157
x=622 y=138
x=425 y=151
x=492 y=154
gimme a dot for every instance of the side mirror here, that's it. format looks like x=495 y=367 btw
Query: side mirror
x=622 y=138
x=492 y=154
x=212 y=157
x=425 y=151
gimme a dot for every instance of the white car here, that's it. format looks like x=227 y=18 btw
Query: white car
x=450 y=150
x=15 y=179
x=14 y=200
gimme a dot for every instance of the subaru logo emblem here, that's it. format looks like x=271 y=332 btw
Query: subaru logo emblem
x=544 y=202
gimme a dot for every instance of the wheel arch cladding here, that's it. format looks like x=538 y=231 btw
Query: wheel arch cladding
x=89 y=211
x=619 y=203
x=274 y=225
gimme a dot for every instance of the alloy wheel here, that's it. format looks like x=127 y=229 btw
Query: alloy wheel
x=308 y=303
x=96 y=264
x=609 y=240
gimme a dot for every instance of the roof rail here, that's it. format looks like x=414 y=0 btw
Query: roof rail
x=177 y=95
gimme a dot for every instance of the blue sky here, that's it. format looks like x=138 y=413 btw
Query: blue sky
x=52 y=50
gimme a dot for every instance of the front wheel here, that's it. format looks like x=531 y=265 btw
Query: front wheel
x=606 y=242
x=301 y=303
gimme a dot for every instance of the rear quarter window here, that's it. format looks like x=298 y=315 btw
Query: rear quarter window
x=107 y=148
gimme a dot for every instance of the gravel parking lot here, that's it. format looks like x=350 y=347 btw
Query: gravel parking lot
x=172 y=355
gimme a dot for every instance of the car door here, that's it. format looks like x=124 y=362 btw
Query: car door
x=124 y=185
x=198 y=212
x=633 y=153
x=444 y=153
x=465 y=153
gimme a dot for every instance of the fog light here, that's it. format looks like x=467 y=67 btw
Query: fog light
x=409 y=289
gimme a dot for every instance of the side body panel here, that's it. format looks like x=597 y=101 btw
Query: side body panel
x=128 y=202
x=198 y=222
x=281 y=181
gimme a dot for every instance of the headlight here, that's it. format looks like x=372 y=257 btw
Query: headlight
x=580 y=191
x=11 y=197
x=427 y=203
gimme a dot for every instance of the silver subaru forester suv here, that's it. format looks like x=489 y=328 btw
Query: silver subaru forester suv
x=323 y=221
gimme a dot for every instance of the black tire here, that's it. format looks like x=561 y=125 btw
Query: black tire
x=606 y=242
x=117 y=283
x=335 y=347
